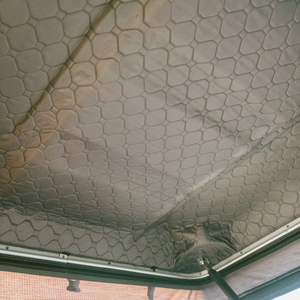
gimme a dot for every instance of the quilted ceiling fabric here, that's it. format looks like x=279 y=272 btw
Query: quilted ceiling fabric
x=148 y=132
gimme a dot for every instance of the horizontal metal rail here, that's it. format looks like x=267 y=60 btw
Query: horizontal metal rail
x=75 y=260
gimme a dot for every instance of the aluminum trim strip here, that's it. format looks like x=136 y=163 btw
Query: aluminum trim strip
x=55 y=257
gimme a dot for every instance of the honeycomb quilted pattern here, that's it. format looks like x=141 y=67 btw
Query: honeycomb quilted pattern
x=148 y=132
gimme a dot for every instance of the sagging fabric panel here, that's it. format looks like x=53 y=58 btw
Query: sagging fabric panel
x=148 y=132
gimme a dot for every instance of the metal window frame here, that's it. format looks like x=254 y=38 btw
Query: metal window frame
x=95 y=263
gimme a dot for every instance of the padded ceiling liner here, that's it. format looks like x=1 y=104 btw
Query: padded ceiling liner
x=148 y=132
